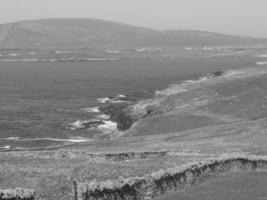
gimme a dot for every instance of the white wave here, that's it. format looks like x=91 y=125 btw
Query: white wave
x=32 y=53
x=104 y=100
x=11 y=138
x=12 y=54
x=78 y=139
x=105 y=127
x=232 y=73
x=112 y=51
x=49 y=60
x=103 y=116
x=121 y=96
x=204 y=78
x=74 y=140
x=67 y=59
x=59 y=52
x=20 y=60
x=118 y=101
x=207 y=48
x=91 y=109
x=260 y=56
x=60 y=60
x=261 y=63
x=79 y=124
x=112 y=100
x=148 y=49
x=108 y=127
x=98 y=59
x=5 y=147
x=189 y=81
x=52 y=60
x=188 y=48
x=85 y=124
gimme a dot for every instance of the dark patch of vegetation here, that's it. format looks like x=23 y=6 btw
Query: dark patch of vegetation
x=124 y=121
x=218 y=73
x=213 y=74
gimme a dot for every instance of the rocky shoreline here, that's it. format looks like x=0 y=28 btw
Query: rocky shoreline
x=127 y=112
x=119 y=113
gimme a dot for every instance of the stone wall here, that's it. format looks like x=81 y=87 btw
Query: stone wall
x=156 y=184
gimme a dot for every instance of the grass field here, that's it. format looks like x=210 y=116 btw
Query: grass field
x=233 y=186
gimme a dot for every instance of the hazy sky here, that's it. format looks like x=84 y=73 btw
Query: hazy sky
x=242 y=17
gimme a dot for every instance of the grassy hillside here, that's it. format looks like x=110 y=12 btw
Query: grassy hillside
x=237 y=95
x=80 y=33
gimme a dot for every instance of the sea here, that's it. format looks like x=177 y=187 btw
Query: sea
x=51 y=104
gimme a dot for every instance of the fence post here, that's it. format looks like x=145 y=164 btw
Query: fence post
x=75 y=190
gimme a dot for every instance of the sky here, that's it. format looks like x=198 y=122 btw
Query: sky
x=239 y=17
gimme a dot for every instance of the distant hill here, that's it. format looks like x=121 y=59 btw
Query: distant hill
x=93 y=33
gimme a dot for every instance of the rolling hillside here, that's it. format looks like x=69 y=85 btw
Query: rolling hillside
x=93 y=33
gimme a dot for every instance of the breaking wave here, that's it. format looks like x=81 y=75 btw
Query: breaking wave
x=86 y=124
x=261 y=63
x=5 y=147
x=260 y=56
x=74 y=140
x=11 y=138
x=102 y=122
x=30 y=60
x=102 y=116
x=118 y=99
x=91 y=109
x=104 y=126
x=108 y=127
x=104 y=100
x=121 y=96
x=70 y=59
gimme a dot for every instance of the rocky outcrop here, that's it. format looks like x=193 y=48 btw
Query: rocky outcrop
x=155 y=184
x=119 y=113
x=17 y=194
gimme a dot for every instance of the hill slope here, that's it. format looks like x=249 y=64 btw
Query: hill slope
x=220 y=98
x=93 y=33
